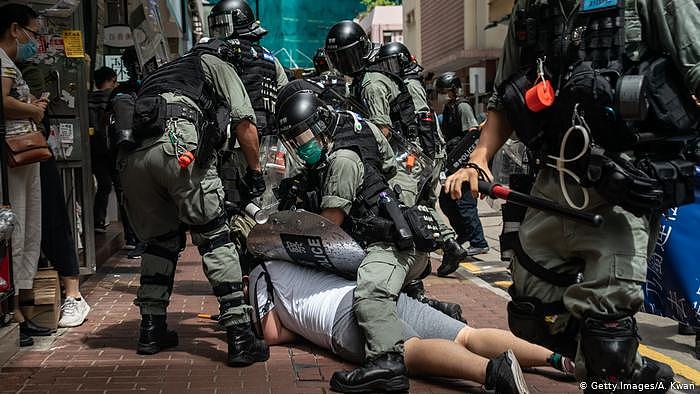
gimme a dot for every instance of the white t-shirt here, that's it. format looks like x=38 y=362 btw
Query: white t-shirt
x=313 y=305
x=20 y=91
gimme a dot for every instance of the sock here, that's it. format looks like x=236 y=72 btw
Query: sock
x=561 y=363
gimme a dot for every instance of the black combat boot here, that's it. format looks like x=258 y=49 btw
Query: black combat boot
x=386 y=373
x=652 y=373
x=155 y=335
x=452 y=254
x=244 y=348
x=415 y=290
x=503 y=374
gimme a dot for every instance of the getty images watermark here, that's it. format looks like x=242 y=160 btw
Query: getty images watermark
x=608 y=386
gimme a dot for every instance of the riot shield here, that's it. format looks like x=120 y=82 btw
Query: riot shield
x=307 y=239
x=411 y=161
x=273 y=162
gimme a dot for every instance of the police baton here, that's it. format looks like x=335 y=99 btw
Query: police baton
x=495 y=190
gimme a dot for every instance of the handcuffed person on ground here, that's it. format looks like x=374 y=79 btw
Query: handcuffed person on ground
x=293 y=301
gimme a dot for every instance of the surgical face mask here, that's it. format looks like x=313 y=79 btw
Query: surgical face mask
x=310 y=152
x=26 y=50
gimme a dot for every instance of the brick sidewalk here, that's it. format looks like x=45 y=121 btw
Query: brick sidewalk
x=100 y=357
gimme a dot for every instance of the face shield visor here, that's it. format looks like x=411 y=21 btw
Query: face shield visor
x=349 y=59
x=309 y=141
x=224 y=26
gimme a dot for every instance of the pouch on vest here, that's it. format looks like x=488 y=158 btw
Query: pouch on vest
x=149 y=114
x=425 y=229
x=672 y=109
x=122 y=121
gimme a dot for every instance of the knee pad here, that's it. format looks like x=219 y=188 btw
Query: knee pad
x=529 y=318
x=609 y=344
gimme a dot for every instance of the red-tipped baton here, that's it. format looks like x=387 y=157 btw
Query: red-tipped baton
x=495 y=190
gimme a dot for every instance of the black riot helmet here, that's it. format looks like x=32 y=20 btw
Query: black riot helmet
x=347 y=47
x=234 y=19
x=394 y=56
x=320 y=61
x=305 y=124
x=448 y=81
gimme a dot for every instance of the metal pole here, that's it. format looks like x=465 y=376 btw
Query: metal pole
x=257 y=10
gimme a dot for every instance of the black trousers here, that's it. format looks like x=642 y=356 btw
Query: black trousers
x=57 y=242
x=106 y=174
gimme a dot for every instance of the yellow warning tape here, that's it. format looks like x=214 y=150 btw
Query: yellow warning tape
x=503 y=284
x=471 y=267
x=679 y=368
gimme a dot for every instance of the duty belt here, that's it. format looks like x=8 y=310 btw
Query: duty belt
x=173 y=111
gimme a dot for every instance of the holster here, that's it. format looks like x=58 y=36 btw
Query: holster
x=211 y=137
x=426 y=232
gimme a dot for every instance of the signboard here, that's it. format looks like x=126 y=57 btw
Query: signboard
x=73 y=43
x=118 y=36
x=477 y=80
x=115 y=63
x=673 y=273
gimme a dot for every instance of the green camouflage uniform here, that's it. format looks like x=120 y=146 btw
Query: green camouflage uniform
x=613 y=257
x=384 y=270
x=160 y=196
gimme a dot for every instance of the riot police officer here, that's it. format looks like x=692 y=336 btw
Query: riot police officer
x=334 y=88
x=262 y=75
x=183 y=107
x=390 y=106
x=597 y=90
x=457 y=119
x=349 y=162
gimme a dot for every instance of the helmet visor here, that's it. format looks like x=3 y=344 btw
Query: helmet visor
x=348 y=60
x=308 y=141
x=221 y=25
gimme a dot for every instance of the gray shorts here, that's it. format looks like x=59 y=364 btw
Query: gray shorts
x=418 y=319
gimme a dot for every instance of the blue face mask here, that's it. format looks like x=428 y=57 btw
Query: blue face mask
x=26 y=50
x=310 y=152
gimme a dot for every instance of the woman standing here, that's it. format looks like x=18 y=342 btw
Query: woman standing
x=18 y=42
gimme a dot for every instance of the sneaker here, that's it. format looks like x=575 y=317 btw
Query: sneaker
x=473 y=251
x=138 y=251
x=73 y=312
x=503 y=374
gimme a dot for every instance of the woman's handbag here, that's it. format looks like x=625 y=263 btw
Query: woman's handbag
x=28 y=148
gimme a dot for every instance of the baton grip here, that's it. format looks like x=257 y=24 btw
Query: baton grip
x=495 y=190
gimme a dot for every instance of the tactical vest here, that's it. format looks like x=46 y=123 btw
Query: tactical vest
x=257 y=70
x=365 y=208
x=583 y=53
x=185 y=76
x=452 y=120
x=402 y=112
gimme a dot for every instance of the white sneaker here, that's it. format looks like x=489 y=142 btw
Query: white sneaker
x=73 y=312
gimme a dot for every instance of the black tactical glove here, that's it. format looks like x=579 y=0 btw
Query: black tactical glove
x=621 y=183
x=253 y=183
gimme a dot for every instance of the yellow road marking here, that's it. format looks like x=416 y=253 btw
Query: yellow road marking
x=503 y=284
x=679 y=368
x=471 y=267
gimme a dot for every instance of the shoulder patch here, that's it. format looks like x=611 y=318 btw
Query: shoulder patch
x=268 y=56
x=598 y=5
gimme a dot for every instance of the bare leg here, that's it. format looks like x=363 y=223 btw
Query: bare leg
x=440 y=357
x=18 y=315
x=71 y=285
x=490 y=342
